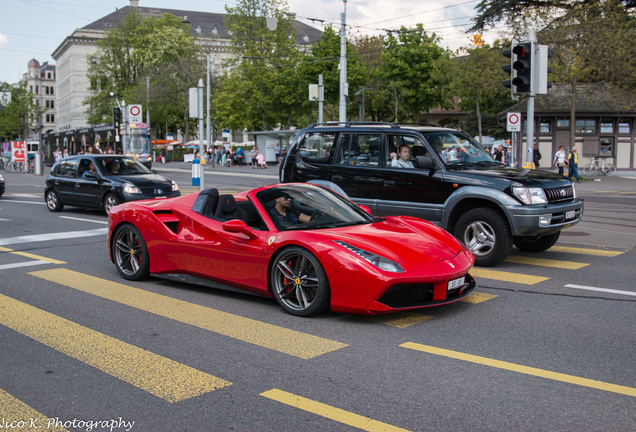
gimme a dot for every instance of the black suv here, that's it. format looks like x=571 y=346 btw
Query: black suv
x=446 y=178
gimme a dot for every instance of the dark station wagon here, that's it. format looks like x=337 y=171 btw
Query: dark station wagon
x=103 y=181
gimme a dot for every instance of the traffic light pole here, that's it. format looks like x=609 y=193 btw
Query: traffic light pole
x=532 y=38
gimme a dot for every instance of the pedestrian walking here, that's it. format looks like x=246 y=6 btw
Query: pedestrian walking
x=536 y=156
x=560 y=159
x=573 y=165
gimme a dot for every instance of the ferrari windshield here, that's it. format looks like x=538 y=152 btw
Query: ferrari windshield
x=310 y=207
x=458 y=149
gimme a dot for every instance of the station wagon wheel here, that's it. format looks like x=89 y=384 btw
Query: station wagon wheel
x=299 y=283
x=110 y=201
x=486 y=233
x=53 y=201
x=130 y=253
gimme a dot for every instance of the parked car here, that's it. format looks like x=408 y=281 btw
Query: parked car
x=103 y=181
x=323 y=252
x=1 y=185
x=451 y=181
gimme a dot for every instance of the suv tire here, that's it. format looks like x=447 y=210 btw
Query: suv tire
x=486 y=233
x=537 y=244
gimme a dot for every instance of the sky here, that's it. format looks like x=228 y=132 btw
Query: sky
x=35 y=28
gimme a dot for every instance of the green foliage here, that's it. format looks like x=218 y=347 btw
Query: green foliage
x=17 y=116
x=261 y=90
x=409 y=69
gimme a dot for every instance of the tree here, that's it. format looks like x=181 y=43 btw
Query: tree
x=17 y=116
x=160 y=49
x=377 y=99
x=261 y=88
x=410 y=70
x=477 y=77
x=325 y=59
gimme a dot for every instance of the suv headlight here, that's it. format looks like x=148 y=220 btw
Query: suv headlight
x=378 y=261
x=131 y=189
x=530 y=195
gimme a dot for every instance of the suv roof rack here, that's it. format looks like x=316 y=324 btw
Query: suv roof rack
x=420 y=124
x=353 y=124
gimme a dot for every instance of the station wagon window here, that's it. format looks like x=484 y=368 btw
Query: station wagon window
x=67 y=168
x=316 y=147
x=415 y=145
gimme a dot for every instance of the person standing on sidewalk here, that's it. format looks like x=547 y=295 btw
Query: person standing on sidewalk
x=573 y=165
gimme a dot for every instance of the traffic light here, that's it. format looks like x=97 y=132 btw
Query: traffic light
x=511 y=71
x=523 y=67
x=116 y=117
x=542 y=84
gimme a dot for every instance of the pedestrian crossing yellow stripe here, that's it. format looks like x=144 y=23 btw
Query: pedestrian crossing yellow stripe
x=151 y=372
x=567 y=265
x=17 y=415
x=400 y=319
x=330 y=412
x=585 y=382
x=519 y=278
x=270 y=336
x=585 y=251
x=28 y=255
x=478 y=297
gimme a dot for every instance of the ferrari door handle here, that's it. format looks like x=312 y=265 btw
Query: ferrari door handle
x=188 y=237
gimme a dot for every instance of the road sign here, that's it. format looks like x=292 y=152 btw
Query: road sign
x=135 y=113
x=513 y=123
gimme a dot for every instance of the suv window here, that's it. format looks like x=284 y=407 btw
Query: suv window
x=414 y=144
x=67 y=168
x=316 y=147
x=360 y=149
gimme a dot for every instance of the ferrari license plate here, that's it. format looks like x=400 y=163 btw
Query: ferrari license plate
x=570 y=214
x=456 y=283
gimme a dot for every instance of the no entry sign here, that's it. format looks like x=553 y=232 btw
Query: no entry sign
x=135 y=113
x=513 y=123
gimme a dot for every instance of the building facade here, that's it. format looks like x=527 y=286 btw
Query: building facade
x=75 y=52
x=40 y=82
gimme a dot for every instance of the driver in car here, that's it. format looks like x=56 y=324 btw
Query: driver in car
x=286 y=214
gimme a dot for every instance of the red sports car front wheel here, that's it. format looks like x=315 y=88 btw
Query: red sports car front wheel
x=299 y=282
x=130 y=253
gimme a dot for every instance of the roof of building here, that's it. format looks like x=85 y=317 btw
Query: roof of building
x=203 y=24
x=595 y=98
x=33 y=63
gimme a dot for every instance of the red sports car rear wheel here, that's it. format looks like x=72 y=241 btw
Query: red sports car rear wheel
x=130 y=253
x=299 y=282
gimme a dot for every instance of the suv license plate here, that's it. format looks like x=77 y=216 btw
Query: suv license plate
x=570 y=214
x=456 y=283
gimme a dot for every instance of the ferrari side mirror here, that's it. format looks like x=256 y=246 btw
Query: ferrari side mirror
x=238 y=226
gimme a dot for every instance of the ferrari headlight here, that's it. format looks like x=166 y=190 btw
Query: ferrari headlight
x=378 y=261
x=530 y=195
x=175 y=186
x=131 y=189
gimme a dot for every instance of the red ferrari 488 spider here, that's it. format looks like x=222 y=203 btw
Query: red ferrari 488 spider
x=306 y=246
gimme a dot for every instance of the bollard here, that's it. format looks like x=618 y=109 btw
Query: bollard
x=196 y=172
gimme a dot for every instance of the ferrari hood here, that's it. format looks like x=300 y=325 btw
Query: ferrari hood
x=400 y=237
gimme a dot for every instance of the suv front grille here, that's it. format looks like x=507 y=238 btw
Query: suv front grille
x=560 y=194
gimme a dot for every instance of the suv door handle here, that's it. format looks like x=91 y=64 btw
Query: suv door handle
x=389 y=182
x=336 y=178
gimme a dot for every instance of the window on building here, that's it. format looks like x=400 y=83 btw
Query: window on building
x=607 y=147
x=52 y=103
x=623 y=128
x=607 y=127
x=37 y=89
x=563 y=123
x=585 y=126
x=545 y=127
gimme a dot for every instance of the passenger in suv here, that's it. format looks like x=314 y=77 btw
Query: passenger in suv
x=456 y=184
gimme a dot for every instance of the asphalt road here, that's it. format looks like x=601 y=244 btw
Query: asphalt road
x=546 y=343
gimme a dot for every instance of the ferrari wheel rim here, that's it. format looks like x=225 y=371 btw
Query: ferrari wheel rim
x=128 y=252
x=296 y=281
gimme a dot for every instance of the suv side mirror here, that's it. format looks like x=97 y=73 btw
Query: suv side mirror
x=425 y=162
